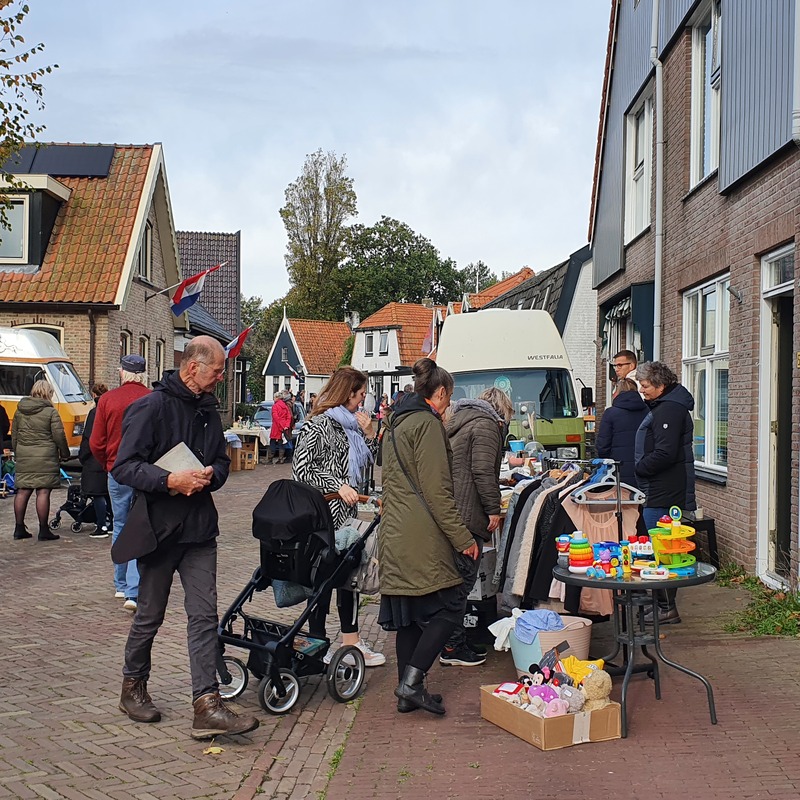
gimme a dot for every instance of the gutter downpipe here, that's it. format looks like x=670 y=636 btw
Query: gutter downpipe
x=796 y=91
x=92 y=345
x=659 y=227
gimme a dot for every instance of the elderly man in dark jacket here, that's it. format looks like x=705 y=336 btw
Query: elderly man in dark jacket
x=173 y=527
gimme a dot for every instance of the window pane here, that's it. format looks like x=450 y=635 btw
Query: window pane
x=692 y=324
x=724 y=316
x=696 y=384
x=709 y=319
x=781 y=270
x=720 y=454
x=13 y=245
x=384 y=344
x=639 y=151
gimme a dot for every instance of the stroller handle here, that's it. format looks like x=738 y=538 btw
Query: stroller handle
x=362 y=498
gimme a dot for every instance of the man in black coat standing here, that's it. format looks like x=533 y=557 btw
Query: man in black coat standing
x=173 y=527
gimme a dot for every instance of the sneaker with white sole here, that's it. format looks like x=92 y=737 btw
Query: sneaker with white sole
x=99 y=533
x=371 y=658
x=119 y=595
x=129 y=605
x=461 y=656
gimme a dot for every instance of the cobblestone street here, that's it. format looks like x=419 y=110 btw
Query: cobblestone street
x=62 y=735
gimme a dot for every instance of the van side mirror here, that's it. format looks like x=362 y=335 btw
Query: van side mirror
x=587 y=397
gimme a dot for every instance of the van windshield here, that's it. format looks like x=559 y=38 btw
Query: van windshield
x=18 y=379
x=63 y=376
x=548 y=390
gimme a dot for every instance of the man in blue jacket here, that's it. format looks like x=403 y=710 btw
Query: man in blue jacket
x=173 y=528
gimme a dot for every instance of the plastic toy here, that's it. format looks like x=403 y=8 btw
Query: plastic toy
x=655 y=574
x=671 y=545
x=562 y=546
x=581 y=556
x=626 y=560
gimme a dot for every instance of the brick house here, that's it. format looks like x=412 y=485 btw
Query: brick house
x=91 y=240
x=304 y=354
x=693 y=229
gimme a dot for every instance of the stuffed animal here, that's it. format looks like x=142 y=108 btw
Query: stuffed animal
x=537 y=706
x=596 y=689
x=557 y=708
x=574 y=697
x=547 y=693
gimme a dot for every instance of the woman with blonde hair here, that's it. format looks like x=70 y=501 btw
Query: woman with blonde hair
x=39 y=442
x=335 y=447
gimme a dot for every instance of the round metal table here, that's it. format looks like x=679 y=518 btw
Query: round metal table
x=632 y=598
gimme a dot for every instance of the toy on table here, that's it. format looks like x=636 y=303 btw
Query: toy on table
x=596 y=689
x=562 y=546
x=641 y=547
x=607 y=561
x=581 y=556
x=655 y=574
x=671 y=545
x=626 y=560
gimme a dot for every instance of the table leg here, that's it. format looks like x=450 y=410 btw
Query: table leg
x=630 y=658
x=616 y=618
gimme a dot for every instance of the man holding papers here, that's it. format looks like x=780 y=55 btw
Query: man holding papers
x=173 y=527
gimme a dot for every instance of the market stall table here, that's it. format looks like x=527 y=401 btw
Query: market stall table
x=260 y=434
x=632 y=598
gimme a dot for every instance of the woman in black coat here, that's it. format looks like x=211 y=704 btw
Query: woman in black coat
x=94 y=480
x=616 y=436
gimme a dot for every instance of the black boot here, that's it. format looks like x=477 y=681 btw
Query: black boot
x=412 y=689
x=21 y=532
x=404 y=706
x=46 y=535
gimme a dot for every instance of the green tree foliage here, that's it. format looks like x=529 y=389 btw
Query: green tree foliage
x=475 y=277
x=389 y=262
x=21 y=88
x=318 y=206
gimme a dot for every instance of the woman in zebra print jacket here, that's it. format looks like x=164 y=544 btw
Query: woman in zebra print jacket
x=333 y=450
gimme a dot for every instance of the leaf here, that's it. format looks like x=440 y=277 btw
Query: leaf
x=214 y=750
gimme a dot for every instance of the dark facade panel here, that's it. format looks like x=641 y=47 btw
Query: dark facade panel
x=275 y=365
x=631 y=67
x=757 y=68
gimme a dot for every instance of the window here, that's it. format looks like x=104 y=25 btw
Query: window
x=124 y=344
x=369 y=344
x=778 y=271
x=638 y=157
x=706 y=82
x=276 y=386
x=144 y=258
x=14 y=244
x=534 y=301
x=54 y=330
x=705 y=369
x=287 y=384
x=383 y=347
x=545 y=298
x=144 y=352
x=159 y=359
x=284 y=354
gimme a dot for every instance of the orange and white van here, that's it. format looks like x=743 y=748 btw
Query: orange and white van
x=27 y=356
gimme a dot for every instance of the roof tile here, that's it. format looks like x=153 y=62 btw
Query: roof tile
x=414 y=322
x=321 y=343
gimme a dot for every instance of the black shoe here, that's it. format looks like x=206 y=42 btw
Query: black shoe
x=462 y=656
x=99 y=533
x=480 y=649
x=412 y=689
x=666 y=616
x=404 y=706
x=21 y=532
x=46 y=535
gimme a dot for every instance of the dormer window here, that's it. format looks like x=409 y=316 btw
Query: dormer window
x=14 y=244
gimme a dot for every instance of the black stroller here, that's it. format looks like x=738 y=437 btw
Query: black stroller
x=294 y=525
x=78 y=506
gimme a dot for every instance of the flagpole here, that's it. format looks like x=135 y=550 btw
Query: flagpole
x=174 y=286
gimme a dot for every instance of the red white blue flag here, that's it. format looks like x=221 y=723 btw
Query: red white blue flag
x=188 y=291
x=233 y=348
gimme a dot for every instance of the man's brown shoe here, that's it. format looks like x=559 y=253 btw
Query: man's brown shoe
x=213 y=718
x=136 y=702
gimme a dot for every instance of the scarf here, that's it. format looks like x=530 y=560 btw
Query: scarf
x=358 y=452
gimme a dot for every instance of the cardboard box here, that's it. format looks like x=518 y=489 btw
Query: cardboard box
x=483 y=588
x=479 y=615
x=555 y=732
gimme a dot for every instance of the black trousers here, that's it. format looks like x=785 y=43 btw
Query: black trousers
x=469 y=570
x=346 y=605
x=197 y=567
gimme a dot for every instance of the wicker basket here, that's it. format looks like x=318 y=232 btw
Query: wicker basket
x=577 y=631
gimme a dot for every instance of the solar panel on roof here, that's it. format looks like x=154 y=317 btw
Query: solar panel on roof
x=21 y=162
x=73 y=160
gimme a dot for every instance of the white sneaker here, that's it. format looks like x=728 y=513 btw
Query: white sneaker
x=119 y=595
x=371 y=658
x=129 y=605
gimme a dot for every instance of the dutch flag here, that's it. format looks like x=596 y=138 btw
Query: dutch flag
x=233 y=348
x=188 y=291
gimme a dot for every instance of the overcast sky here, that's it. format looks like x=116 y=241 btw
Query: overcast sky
x=473 y=122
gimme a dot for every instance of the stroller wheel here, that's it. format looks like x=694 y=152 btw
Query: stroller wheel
x=345 y=674
x=55 y=523
x=269 y=698
x=76 y=527
x=238 y=678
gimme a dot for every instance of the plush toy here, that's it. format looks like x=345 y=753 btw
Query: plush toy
x=574 y=698
x=557 y=708
x=547 y=693
x=537 y=707
x=596 y=689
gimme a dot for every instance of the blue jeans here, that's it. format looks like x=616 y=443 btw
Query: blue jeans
x=126 y=576
x=666 y=599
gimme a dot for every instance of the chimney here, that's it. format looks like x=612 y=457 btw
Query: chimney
x=427 y=302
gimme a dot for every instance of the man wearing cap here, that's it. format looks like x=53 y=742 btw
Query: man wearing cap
x=104 y=444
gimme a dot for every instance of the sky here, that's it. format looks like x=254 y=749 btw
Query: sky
x=473 y=122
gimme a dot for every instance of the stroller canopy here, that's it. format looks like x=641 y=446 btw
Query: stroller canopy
x=290 y=510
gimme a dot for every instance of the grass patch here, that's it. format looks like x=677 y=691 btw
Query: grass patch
x=770 y=612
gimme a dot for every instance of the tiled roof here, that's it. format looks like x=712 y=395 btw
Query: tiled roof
x=501 y=287
x=414 y=321
x=221 y=291
x=200 y=321
x=536 y=288
x=86 y=253
x=321 y=343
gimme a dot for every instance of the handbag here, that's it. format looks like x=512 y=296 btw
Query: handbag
x=364 y=578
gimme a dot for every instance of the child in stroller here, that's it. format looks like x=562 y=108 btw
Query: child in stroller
x=294 y=525
x=79 y=507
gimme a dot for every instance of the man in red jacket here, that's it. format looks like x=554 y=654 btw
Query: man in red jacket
x=104 y=444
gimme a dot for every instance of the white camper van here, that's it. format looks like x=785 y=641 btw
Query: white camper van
x=520 y=352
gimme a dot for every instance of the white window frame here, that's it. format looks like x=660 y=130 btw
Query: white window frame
x=144 y=352
x=383 y=344
x=713 y=357
x=284 y=355
x=24 y=201
x=768 y=287
x=706 y=82
x=125 y=342
x=545 y=298
x=638 y=166
x=144 y=256
x=160 y=359
x=369 y=345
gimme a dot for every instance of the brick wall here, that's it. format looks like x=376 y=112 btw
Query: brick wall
x=707 y=234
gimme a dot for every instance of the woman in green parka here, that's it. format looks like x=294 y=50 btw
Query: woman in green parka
x=425 y=551
x=39 y=443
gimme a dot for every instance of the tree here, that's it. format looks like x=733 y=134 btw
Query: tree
x=21 y=88
x=318 y=205
x=388 y=262
x=475 y=277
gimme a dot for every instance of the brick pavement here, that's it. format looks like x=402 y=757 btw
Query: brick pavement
x=62 y=736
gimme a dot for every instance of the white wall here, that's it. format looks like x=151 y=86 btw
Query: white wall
x=580 y=332
x=375 y=363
